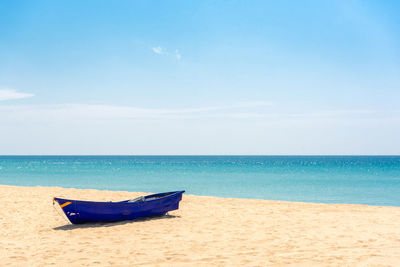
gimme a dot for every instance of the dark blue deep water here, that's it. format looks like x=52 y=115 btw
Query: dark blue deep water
x=372 y=180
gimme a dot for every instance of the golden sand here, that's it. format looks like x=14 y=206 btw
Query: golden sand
x=205 y=231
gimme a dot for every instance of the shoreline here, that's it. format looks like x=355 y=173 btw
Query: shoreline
x=207 y=196
x=204 y=231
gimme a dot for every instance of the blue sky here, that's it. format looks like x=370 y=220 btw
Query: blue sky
x=199 y=77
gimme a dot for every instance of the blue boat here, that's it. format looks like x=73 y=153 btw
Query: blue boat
x=78 y=211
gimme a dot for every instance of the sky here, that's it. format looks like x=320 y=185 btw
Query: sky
x=199 y=77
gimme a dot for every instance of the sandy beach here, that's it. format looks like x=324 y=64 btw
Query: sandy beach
x=205 y=231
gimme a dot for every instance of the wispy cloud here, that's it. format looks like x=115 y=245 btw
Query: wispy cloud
x=343 y=113
x=99 y=112
x=9 y=94
x=240 y=110
x=157 y=50
x=178 y=55
x=162 y=51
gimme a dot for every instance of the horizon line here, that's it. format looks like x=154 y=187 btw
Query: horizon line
x=201 y=155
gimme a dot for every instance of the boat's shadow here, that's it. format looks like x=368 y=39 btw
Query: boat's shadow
x=110 y=224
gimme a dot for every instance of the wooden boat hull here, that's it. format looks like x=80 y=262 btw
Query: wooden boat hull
x=78 y=211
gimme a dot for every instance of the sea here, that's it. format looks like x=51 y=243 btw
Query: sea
x=370 y=180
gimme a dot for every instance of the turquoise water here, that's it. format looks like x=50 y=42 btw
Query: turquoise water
x=372 y=180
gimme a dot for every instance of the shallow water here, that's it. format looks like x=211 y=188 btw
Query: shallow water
x=372 y=180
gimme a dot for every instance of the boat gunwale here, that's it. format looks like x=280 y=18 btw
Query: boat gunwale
x=168 y=194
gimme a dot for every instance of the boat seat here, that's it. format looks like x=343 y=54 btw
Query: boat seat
x=136 y=199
